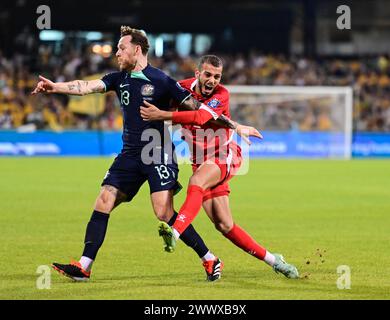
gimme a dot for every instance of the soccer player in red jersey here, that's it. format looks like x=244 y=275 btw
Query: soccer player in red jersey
x=216 y=159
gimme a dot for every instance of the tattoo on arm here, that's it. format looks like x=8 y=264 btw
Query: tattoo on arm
x=74 y=87
x=81 y=87
x=97 y=88
x=111 y=189
x=191 y=104
x=94 y=89
x=94 y=86
x=224 y=122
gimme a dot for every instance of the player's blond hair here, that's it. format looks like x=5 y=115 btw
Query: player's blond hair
x=138 y=37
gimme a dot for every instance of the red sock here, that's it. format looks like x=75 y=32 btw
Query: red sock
x=190 y=208
x=244 y=241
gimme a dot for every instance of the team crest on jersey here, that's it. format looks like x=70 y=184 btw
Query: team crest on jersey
x=147 y=90
x=214 y=103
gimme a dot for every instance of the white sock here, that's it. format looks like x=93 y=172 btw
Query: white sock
x=86 y=263
x=176 y=233
x=269 y=258
x=208 y=256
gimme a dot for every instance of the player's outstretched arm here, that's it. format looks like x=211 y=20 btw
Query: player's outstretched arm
x=243 y=131
x=150 y=112
x=247 y=131
x=191 y=104
x=76 y=87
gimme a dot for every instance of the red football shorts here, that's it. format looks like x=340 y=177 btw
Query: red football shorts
x=228 y=169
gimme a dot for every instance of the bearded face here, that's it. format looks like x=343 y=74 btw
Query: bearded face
x=208 y=77
x=127 y=53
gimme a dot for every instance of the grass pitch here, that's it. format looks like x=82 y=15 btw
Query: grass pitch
x=319 y=214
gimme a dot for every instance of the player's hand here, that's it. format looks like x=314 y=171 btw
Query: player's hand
x=149 y=112
x=44 y=85
x=246 y=131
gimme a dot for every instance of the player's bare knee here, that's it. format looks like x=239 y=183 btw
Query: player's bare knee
x=103 y=205
x=162 y=213
x=223 y=227
x=106 y=199
x=103 y=208
x=197 y=181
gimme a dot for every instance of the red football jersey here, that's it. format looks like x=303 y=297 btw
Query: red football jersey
x=209 y=141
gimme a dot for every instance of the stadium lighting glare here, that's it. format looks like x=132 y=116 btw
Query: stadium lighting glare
x=183 y=44
x=106 y=49
x=97 y=48
x=94 y=36
x=202 y=44
x=51 y=35
x=103 y=50
x=159 y=47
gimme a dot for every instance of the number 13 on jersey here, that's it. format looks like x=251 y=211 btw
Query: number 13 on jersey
x=125 y=97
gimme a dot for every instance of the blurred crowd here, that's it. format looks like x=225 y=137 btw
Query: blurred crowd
x=369 y=77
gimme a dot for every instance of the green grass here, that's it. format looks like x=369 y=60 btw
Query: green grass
x=298 y=208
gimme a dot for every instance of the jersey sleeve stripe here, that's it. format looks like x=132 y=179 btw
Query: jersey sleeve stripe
x=209 y=110
x=105 y=87
x=185 y=98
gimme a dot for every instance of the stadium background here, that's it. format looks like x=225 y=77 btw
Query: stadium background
x=287 y=43
x=283 y=43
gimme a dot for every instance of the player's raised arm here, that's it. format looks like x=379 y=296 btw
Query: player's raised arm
x=76 y=87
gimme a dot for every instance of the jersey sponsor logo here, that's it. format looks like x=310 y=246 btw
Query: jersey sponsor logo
x=147 y=90
x=123 y=85
x=165 y=183
x=214 y=103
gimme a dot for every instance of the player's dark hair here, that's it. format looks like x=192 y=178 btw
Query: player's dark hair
x=138 y=37
x=210 y=59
